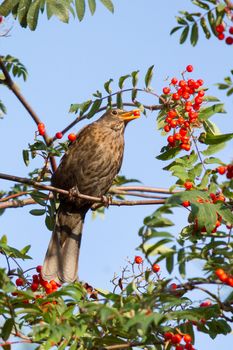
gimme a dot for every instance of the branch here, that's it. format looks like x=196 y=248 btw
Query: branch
x=38 y=185
x=13 y=87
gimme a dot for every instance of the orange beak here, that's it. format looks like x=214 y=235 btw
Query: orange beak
x=127 y=116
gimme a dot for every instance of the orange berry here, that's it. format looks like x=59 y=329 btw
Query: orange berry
x=219 y=272
x=187 y=338
x=223 y=277
x=138 y=259
x=166 y=90
x=173 y=123
x=188 y=185
x=72 y=137
x=155 y=268
x=221 y=170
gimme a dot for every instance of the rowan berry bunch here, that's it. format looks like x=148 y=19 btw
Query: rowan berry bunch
x=37 y=283
x=184 y=98
x=227 y=169
x=225 y=33
x=224 y=277
x=175 y=339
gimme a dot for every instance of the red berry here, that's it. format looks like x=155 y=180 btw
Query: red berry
x=206 y=303
x=188 y=346
x=180 y=120
x=229 y=40
x=59 y=135
x=172 y=113
x=175 y=96
x=188 y=185
x=168 y=335
x=231 y=30
x=166 y=90
x=179 y=347
x=222 y=169
x=201 y=93
x=200 y=82
x=176 y=339
x=173 y=286
x=170 y=139
x=34 y=286
x=39 y=268
x=137 y=113
x=221 y=36
x=220 y=28
x=186 y=204
x=173 y=123
x=219 y=272
x=72 y=137
x=19 y=282
x=138 y=259
x=223 y=277
x=186 y=95
x=177 y=136
x=182 y=83
x=185 y=146
x=167 y=128
x=1 y=19
x=189 y=68
x=174 y=81
x=183 y=131
x=187 y=338
x=155 y=267
x=35 y=278
x=229 y=281
x=198 y=100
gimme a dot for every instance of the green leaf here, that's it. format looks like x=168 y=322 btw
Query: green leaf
x=216 y=139
x=175 y=29
x=205 y=28
x=26 y=157
x=184 y=35
x=134 y=76
x=211 y=127
x=23 y=10
x=201 y=4
x=7 y=328
x=212 y=149
x=33 y=13
x=92 y=6
x=170 y=262
x=94 y=109
x=230 y=91
x=59 y=9
x=212 y=21
x=119 y=101
x=222 y=86
x=194 y=34
x=181 y=20
x=169 y=154
x=7 y=6
x=107 y=86
x=80 y=8
x=122 y=80
x=108 y=4
x=207 y=112
x=148 y=76
x=37 y=212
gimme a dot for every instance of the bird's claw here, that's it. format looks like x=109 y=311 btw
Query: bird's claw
x=73 y=194
x=106 y=200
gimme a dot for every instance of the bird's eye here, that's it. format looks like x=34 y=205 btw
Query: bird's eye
x=114 y=112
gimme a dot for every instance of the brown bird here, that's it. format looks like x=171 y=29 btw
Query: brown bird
x=89 y=166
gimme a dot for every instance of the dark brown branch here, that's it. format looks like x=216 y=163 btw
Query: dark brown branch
x=13 y=87
x=38 y=185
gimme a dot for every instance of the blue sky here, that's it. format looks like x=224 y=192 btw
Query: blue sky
x=66 y=64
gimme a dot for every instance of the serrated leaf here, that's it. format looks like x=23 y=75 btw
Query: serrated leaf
x=194 y=34
x=92 y=6
x=59 y=9
x=207 y=112
x=184 y=35
x=149 y=76
x=7 y=6
x=80 y=8
x=108 y=4
x=33 y=14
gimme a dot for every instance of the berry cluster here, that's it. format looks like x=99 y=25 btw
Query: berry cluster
x=224 y=277
x=138 y=260
x=41 y=129
x=228 y=170
x=176 y=338
x=220 y=29
x=37 y=281
x=186 y=99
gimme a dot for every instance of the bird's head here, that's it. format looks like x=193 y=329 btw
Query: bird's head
x=118 y=118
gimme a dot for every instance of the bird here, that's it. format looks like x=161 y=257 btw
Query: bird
x=88 y=167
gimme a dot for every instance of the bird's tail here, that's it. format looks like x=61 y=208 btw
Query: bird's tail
x=61 y=259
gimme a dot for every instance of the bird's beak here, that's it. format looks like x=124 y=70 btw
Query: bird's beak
x=127 y=116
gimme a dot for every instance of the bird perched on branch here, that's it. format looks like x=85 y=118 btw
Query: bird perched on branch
x=89 y=166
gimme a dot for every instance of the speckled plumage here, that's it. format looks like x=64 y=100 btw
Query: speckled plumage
x=90 y=165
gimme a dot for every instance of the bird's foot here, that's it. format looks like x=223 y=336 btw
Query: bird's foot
x=73 y=194
x=106 y=200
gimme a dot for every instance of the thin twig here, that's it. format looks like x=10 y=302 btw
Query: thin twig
x=13 y=87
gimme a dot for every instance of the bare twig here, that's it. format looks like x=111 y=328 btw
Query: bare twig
x=13 y=87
